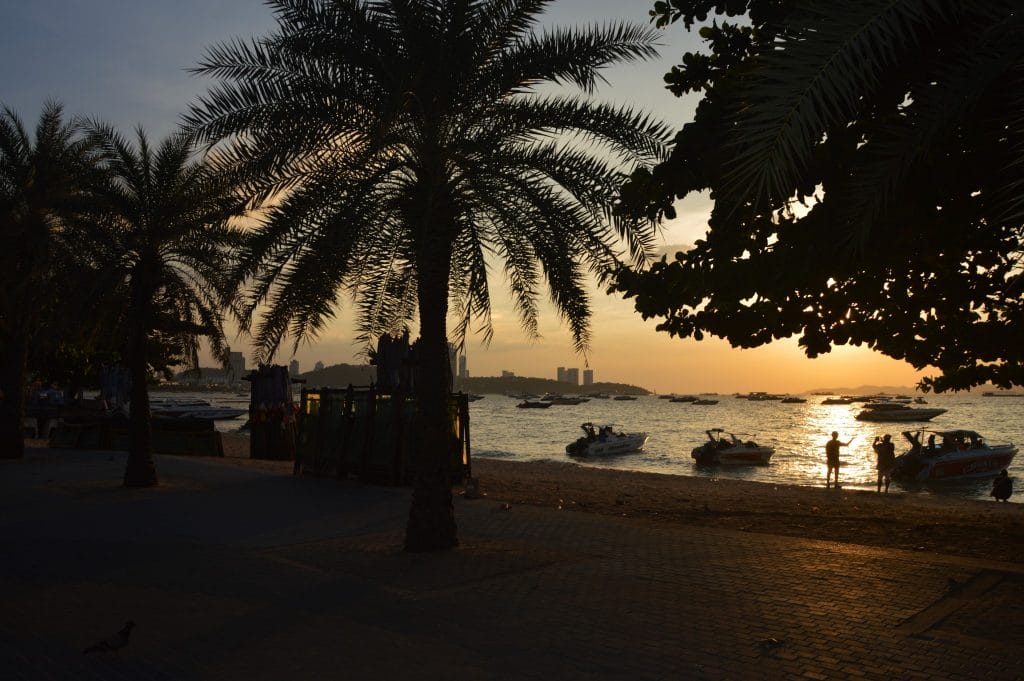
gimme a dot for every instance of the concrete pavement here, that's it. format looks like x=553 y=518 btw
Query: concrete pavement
x=233 y=573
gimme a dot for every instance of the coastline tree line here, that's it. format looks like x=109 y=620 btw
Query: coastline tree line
x=865 y=166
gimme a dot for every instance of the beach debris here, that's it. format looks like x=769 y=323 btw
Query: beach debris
x=506 y=507
x=112 y=643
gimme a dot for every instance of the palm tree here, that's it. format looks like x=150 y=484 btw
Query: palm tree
x=43 y=187
x=169 y=218
x=407 y=150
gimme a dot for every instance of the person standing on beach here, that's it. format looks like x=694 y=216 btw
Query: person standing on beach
x=885 y=451
x=832 y=456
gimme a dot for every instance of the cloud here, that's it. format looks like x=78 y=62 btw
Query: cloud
x=670 y=250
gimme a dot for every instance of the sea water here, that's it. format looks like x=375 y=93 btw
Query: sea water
x=798 y=432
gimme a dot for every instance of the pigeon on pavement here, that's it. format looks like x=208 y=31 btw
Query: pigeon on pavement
x=113 y=643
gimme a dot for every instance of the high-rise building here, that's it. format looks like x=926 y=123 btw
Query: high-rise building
x=463 y=371
x=572 y=376
x=453 y=358
x=237 y=362
x=507 y=374
x=561 y=374
x=293 y=368
x=588 y=377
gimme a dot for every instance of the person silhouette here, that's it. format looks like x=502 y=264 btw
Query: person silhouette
x=885 y=451
x=832 y=456
x=1002 y=487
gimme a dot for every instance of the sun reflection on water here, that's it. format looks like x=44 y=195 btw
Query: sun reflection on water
x=798 y=433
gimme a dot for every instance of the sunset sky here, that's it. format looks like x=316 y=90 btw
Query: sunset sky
x=125 y=63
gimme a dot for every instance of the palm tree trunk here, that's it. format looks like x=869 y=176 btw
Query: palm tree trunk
x=431 y=525
x=12 y=402
x=140 y=471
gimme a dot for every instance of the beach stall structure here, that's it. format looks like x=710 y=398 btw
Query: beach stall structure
x=369 y=432
x=272 y=413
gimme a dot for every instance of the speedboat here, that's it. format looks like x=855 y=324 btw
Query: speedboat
x=950 y=454
x=624 y=398
x=704 y=401
x=554 y=398
x=793 y=400
x=837 y=400
x=726 y=449
x=193 y=409
x=890 y=410
x=534 y=404
x=605 y=441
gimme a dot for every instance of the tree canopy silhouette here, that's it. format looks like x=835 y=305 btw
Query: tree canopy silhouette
x=45 y=181
x=865 y=161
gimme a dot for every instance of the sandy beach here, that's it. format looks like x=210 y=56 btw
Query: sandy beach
x=916 y=522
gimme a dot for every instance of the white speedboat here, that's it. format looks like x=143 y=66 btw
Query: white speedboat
x=891 y=410
x=605 y=440
x=950 y=455
x=726 y=449
x=193 y=409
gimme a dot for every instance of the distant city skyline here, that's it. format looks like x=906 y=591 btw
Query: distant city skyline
x=588 y=379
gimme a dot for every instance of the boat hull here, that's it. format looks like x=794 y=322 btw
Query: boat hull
x=740 y=455
x=908 y=414
x=527 y=404
x=959 y=465
x=624 y=444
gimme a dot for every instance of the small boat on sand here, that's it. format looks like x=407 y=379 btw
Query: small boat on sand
x=192 y=409
x=605 y=441
x=726 y=449
x=950 y=455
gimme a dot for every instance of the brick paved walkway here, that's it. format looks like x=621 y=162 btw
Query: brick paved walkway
x=232 y=573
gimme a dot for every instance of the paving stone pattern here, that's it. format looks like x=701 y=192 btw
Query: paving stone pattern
x=238 y=574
